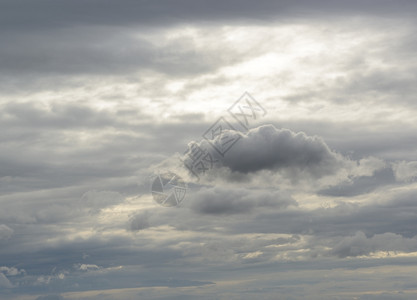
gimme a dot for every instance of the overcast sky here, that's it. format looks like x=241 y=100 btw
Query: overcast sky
x=311 y=183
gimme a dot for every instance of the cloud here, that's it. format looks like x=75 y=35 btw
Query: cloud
x=105 y=52
x=219 y=200
x=89 y=104
x=267 y=147
x=50 y=297
x=96 y=200
x=139 y=221
x=360 y=184
x=12 y=271
x=295 y=155
x=4 y=282
x=405 y=171
x=165 y=12
x=87 y=267
x=5 y=232
x=359 y=244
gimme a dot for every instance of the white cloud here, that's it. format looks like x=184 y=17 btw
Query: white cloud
x=87 y=267
x=12 y=271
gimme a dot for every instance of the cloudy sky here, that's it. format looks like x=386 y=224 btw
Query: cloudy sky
x=302 y=113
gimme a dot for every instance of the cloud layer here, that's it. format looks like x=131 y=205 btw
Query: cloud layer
x=314 y=200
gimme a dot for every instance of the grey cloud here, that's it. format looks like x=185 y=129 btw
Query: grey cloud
x=57 y=116
x=12 y=271
x=109 y=53
x=5 y=232
x=50 y=297
x=280 y=150
x=374 y=137
x=361 y=184
x=267 y=147
x=359 y=244
x=95 y=44
x=405 y=171
x=394 y=213
x=234 y=201
x=400 y=295
x=66 y=145
x=4 y=282
x=48 y=13
x=139 y=221
x=95 y=200
x=56 y=205
x=62 y=163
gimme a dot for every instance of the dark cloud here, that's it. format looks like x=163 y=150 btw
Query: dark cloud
x=22 y=14
x=105 y=52
x=234 y=201
x=268 y=148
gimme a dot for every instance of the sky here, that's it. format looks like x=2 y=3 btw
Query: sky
x=197 y=149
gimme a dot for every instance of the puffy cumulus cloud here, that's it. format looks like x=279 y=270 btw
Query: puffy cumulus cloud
x=292 y=155
x=269 y=157
x=360 y=244
x=5 y=232
x=267 y=147
x=218 y=200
